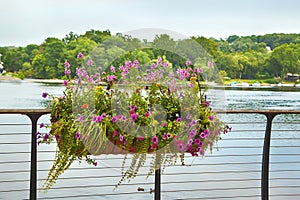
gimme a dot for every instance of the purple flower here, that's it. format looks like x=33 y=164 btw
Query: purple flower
x=165 y=135
x=180 y=95
x=206 y=132
x=198 y=70
x=112 y=69
x=44 y=94
x=66 y=83
x=211 y=118
x=178 y=119
x=193 y=132
x=182 y=73
x=56 y=137
x=89 y=62
x=210 y=64
x=188 y=116
x=111 y=78
x=81 y=118
x=207 y=104
x=198 y=142
x=166 y=64
x=202 y=135
x=77 y=135
x=153 y=66
x=180 y=147
x=114 y=119
x=46 y=136
x=133 y=117
x=38 y=135
x=99 y=118
x=190 y=141
x=67 y=72
x=80 y=55
x=42 y=125
x=154 y=140
x=122 y=117
x=128 y=64
x=159 y=61
x=67 y=64
x=121 y=138
x=132 y=107
x=187 y=63
x=135 y=64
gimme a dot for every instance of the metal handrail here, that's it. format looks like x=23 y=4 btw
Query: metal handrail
x=35 y=114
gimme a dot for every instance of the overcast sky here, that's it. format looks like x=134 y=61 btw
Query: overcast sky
x=25 y=22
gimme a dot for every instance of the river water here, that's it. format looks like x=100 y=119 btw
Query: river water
x=27 y=94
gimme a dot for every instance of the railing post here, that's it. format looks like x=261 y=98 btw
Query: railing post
x=157 y=184
x=33 y=162
x=266 y=156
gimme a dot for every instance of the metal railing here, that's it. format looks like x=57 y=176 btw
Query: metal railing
x=264 y=170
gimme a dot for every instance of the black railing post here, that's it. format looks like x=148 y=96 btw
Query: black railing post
x=266 y=156
x=157 y=184
x=33 y=162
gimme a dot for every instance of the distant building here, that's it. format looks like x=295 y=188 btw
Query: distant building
x=291 y=77
x=1 y=65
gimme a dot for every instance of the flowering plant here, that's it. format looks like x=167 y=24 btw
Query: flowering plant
x=133 y=109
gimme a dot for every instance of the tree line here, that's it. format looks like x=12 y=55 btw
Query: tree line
x=247 y=57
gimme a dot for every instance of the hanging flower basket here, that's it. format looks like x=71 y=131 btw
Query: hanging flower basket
x=131 y=110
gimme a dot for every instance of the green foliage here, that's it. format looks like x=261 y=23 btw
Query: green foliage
x=247 y=57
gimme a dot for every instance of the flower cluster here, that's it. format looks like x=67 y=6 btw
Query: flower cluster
x=136 y=108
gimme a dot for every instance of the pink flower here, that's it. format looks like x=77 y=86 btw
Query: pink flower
x=136 y=64
x=198 y=70
x=141 y=138
x=165 y=135
x=112 y=69
x=66 y=83
x=159 y=61
x=89 y=62
x=198 y=142
x=67 y=65
x=121 y=138
x=187 y=63
x=80 y=55
x=207 y=104
x=210 y=64
x=178 y=119
x=111 y=78
x=67 y=72
x=166 y=64
x=114 y=119
x=146 y=114
x=154 y=140
x=211 y=118
x=115 y=133
x=77 y=135
x=133 y=117
x=202 y=135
